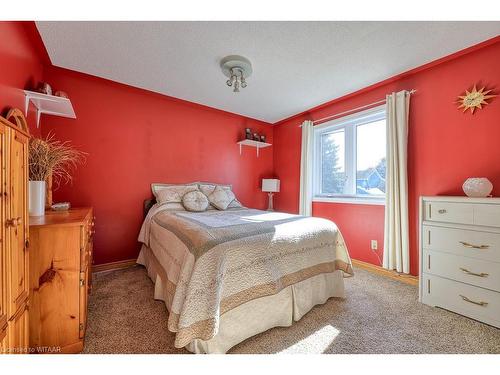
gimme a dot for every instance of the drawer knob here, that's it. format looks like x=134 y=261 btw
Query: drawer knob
x=471 y=246
x=442 y=211
x=482 y=303
x=482 y=274
x=13 y=222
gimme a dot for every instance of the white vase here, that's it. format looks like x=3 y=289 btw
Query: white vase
x=477 y=187
x=36 y=196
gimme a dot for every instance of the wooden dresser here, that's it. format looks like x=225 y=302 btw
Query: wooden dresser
x=460 y=256
x=14 y=278
x=60 y=279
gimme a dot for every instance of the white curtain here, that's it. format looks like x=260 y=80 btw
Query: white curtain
x=396 y=247
x=306 y=158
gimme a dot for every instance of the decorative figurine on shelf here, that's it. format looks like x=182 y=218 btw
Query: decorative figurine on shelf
x=45 y=88
x=61 y=94
x=248 y=133
x=263 y=138
x=256 y=137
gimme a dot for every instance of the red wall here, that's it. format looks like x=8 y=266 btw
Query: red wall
x=20 y=67
x=134 y=137
x=445 y=146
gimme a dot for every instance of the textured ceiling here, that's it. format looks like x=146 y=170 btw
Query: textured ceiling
x=296 y=65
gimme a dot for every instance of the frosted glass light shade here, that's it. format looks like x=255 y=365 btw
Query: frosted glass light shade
x=271 y=185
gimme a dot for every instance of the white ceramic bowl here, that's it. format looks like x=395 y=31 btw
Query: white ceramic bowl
x=477 y=187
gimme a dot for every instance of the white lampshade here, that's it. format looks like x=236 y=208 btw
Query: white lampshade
x=271 y=185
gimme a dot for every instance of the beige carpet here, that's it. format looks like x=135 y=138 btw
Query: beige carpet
x=379 y=315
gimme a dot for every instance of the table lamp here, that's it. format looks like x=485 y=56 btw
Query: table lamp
x=270 y=186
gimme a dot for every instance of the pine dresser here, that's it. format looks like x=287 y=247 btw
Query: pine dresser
x=60 y=270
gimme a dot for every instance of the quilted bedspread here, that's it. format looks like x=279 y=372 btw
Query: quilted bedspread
x=218 y=260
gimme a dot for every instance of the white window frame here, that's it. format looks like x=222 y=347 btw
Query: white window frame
x=349 y=124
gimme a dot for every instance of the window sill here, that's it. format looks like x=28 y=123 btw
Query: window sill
x=351 y=200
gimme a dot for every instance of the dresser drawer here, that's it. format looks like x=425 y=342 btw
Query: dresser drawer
x=469 y=243
x=468 y=300
x=487 y=215
x=84 y=259
x=468 y=270
x=86 y=235
x=449 y=212
x=462 y=213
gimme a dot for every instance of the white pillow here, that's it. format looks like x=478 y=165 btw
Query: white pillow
x=207 y=189
x=195 y=201
x=157 y=186
x=171 y=193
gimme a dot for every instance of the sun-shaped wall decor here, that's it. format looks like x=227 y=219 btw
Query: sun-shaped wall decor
x=474 y=99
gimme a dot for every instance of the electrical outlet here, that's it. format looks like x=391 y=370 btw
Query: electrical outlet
x=374 y=244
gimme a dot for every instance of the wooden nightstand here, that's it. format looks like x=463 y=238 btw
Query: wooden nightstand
x=60 y=278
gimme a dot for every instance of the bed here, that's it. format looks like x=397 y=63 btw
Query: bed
x=227 y=275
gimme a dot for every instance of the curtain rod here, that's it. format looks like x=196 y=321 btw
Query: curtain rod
x=413 y=91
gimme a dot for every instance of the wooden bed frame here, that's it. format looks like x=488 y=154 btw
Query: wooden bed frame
x=148 y=203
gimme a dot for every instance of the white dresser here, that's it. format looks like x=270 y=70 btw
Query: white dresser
x=460 y=256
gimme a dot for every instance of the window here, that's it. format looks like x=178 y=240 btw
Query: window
x=349 y=158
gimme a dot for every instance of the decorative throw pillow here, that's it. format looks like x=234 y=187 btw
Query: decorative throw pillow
x=235 y=203
x=208 y=189
x=173 y=193
x=195 y=201
x=220 y=198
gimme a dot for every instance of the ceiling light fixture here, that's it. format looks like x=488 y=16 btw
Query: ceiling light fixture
x=238 y=69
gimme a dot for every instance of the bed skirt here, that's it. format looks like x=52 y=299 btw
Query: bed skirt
x=258 y=315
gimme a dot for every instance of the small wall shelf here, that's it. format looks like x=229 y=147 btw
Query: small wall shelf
x=48 y=104
x=249 y=142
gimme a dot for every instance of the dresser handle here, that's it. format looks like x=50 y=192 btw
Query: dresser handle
x=482 y=274
x=482 y=247
x=13 y=222
x=474 y=302
x=442 y=211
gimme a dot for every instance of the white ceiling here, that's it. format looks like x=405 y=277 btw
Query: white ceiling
x=296 y=65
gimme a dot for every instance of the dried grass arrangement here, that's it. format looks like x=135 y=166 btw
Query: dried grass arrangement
x=49 y=157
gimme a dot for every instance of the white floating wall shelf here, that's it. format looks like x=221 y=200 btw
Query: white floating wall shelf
x=48 y=104
x=249 y=142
